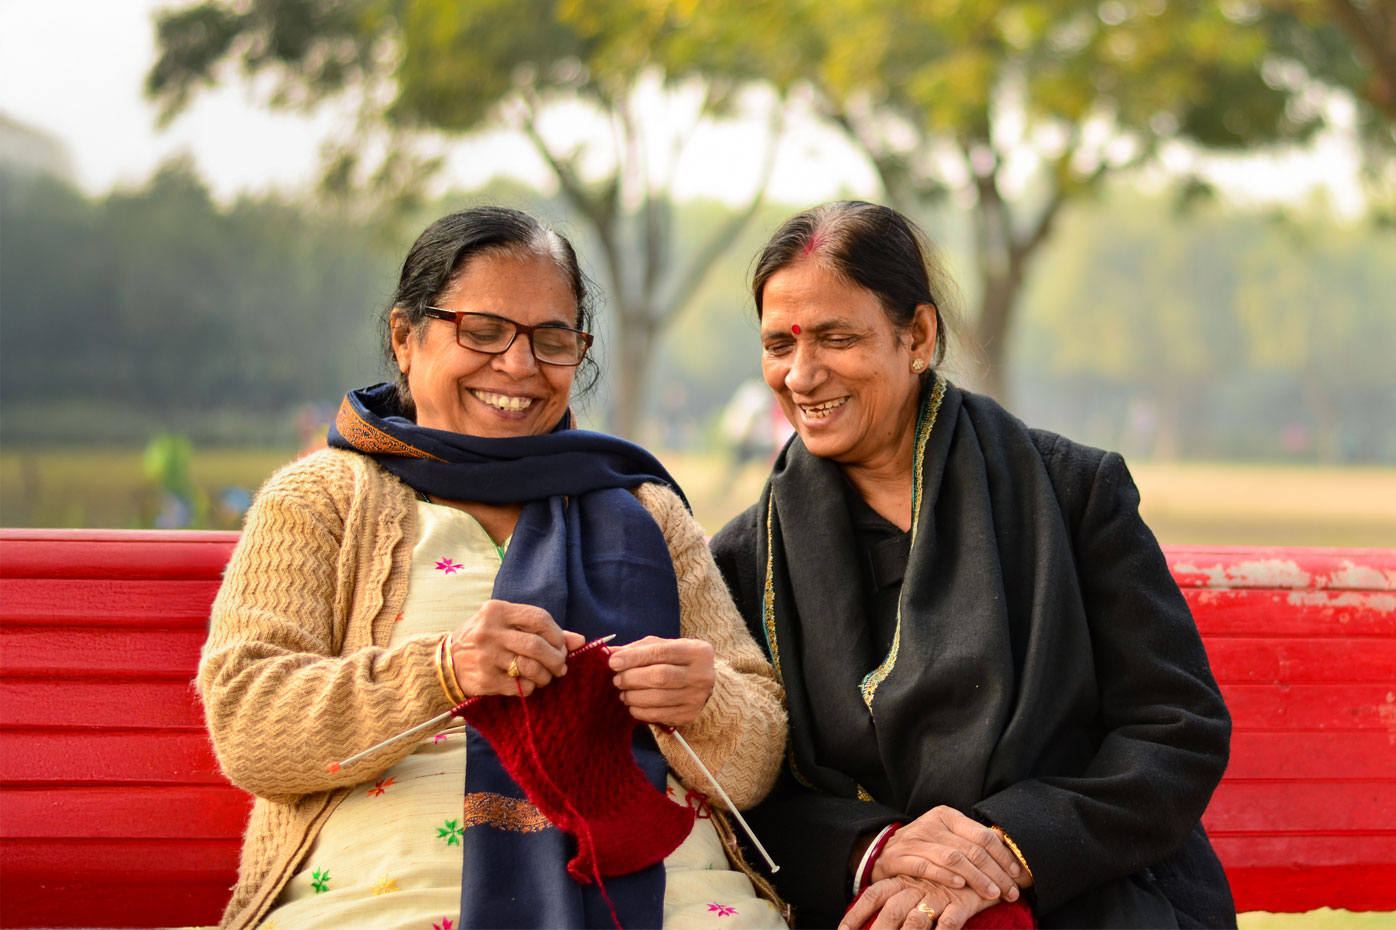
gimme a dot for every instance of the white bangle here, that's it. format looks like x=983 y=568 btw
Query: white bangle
x=867 y=855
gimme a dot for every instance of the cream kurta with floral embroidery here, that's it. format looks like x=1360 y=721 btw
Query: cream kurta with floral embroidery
x=390 y=856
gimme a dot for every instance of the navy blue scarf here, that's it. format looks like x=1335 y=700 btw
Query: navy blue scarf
x=585 y=550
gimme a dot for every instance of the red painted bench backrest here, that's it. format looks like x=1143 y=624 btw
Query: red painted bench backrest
x=113 y=811
x=113 y=814
x=1303 y=642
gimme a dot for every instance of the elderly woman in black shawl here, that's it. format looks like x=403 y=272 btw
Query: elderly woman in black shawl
x=997 y=694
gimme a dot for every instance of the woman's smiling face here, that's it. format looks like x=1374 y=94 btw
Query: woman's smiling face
x=469 y=392
x=839 y=368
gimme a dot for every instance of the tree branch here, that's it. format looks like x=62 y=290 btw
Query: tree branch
x=1377 y=41
x=723 y=238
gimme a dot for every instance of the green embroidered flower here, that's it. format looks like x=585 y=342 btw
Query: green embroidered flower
x=320 y=880
x=451 y=833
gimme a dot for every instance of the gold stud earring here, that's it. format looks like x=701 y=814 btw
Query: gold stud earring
x=918 y=366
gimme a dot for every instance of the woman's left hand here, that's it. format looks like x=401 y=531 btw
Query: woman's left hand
x=664 y=681
x=894 y=902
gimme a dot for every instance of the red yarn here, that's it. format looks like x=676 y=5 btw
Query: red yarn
x=568 y=747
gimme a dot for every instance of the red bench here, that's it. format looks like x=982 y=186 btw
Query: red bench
x=113 y=814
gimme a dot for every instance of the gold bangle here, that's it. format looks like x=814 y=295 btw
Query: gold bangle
x=452 y=682
x=445 y=672
x=439 y=662
x=1013 y=848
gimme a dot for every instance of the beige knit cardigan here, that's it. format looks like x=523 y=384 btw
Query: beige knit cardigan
x=295 y=672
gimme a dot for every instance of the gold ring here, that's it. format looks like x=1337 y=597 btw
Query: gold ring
x=514 y=668
x=926 y=909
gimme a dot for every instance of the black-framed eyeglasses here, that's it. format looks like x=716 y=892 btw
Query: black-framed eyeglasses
x=493 y=335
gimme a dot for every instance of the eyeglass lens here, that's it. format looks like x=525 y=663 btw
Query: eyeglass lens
x=551 y=344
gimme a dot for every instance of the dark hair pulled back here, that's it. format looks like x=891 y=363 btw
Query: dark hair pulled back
x=444 y=248
x=872 y=246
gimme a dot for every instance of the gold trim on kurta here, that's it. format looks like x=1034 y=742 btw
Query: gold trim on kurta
x=923 y=433
x=487 y=809
x=368 y=438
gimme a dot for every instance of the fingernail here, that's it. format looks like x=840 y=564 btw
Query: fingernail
x=958 y=882
x=1013 y=893
x=993 y=891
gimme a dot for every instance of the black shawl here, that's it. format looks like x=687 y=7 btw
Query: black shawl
x=1045 y=674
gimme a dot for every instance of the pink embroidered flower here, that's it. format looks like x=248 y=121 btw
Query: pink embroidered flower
x=380 y=787
x=448 y=566
x=439 y=737
x=398 y=618
x=446 y=924
x=722 y=910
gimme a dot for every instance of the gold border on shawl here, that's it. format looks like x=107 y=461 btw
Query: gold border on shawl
x=368 y=438
x=483 y=808
x=923 y=433
x=768 y=598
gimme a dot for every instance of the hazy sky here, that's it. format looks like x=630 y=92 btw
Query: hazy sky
x=75 y=68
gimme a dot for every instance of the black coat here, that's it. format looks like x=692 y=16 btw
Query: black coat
x=1047 y=676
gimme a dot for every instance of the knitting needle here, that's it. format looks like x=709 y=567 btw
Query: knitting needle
x=333 y=767
x=726 y=800
x=433 y=722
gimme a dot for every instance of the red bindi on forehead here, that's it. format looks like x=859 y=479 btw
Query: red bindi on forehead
x=795 y=328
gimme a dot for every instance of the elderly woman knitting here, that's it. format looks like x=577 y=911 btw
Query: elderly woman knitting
x=460 y=540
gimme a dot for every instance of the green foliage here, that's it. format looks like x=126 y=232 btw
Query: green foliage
x=157 y=310
x=1227 y=328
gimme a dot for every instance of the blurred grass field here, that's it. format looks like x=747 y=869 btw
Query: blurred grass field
x=1184 y=502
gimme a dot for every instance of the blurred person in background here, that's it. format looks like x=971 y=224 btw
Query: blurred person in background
x=460 y=539
x=1000 y=708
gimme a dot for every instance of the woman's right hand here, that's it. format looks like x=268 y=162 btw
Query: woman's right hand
x=501 y=634
x=946 y=847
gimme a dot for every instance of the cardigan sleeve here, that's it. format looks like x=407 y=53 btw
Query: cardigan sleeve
x=283 y=694
x=1165 y=729
x=741 y=731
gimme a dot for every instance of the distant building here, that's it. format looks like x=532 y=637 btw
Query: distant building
x=29 y=152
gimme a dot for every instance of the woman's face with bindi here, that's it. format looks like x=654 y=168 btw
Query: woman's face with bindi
x=839 y=368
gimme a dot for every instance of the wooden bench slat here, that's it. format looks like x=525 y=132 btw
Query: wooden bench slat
x=157 y=654
x=115 y=883
x=1312 y=706
x=46 y=702
x=106 y=758
x=1366 y=887
x=1300 y=568
x=1247 y=806
x=114 y=554
x=105 y=602
x=139 y=812
x=1293 y=613
x=1244 y=659
x=1322 y=755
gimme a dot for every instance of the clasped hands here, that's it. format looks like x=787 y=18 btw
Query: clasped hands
x=662 y=681
x=944 y=861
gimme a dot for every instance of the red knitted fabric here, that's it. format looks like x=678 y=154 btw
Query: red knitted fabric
x=1010 y=915
x=568 y=747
